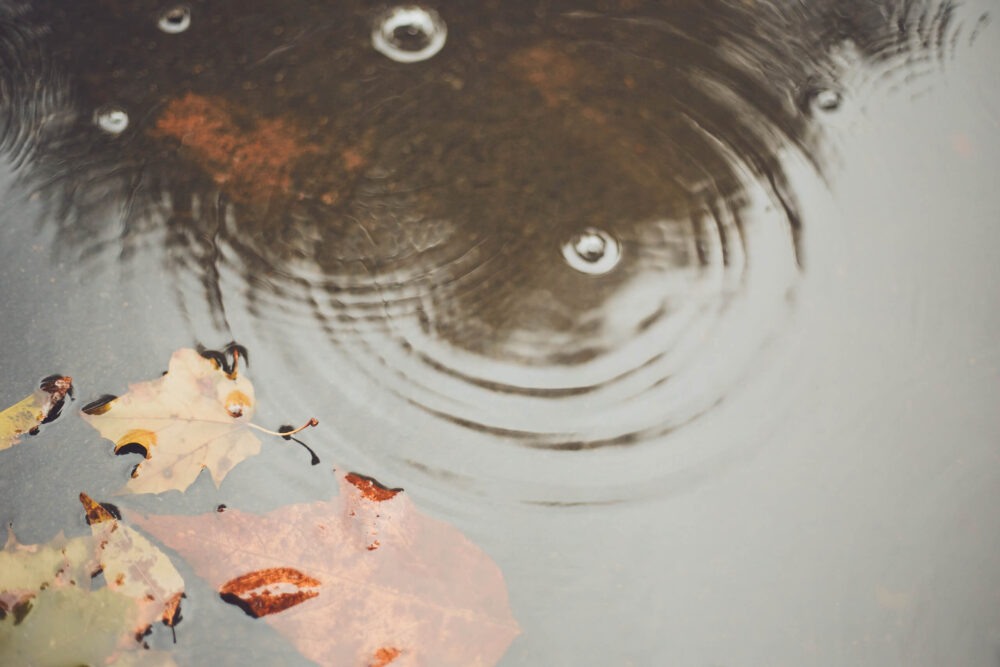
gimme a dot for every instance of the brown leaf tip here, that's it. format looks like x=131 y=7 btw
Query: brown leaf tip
x=18 y=607
x=269 y=591
x=384 y=656
x=58 y=386
x=172 y=610
x=96 y=513
x=99 y=406
x=371 y=488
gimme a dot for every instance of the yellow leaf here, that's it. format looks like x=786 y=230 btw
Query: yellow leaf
x=26 y=415
x=194 y=417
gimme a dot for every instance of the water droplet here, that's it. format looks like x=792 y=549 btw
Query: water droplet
x=111 y=119
x=409 y=34
x=592 y=251
x=174 y=20
x=827 y=100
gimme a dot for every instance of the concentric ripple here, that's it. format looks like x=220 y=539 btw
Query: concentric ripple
x=570 y=229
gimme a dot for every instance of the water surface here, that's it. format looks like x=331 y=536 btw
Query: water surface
x=684 y=313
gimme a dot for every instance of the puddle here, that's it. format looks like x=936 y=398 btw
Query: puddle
x=585 y=279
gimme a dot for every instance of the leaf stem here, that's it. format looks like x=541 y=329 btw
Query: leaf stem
x=311 y=422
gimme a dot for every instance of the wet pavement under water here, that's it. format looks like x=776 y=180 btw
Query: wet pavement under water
x=684 y=312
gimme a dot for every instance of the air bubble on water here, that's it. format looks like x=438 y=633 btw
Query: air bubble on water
x=175 y=20
x=827 y=100
x=408 y=33
x=592 y=251
x=111 y=119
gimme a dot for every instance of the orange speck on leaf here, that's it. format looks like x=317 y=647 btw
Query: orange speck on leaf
x=384 y=656
x=236 y=403
x=252 y=591
x=370 y=488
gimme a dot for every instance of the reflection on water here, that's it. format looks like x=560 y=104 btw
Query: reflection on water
x=561 y=225
x=684 y=312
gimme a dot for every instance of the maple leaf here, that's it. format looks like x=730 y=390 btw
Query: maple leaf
x=42 y=406
x=363 y=579
x=50 y=616
x=196 y=416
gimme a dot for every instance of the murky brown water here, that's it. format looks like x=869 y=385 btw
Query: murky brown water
x=684 y=312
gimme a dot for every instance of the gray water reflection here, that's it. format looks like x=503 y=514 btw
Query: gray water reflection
x=796 y=346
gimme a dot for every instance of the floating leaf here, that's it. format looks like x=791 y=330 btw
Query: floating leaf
x=136 y=568
x=196 y=416
x=363 y=579
x=67 y=626
x=49 y=615
x=42 y=406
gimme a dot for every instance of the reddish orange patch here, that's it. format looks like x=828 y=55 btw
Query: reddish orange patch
x=549 y=70
x=384 y=656
x=251 y=591
x=252 y=164
x=370 y=488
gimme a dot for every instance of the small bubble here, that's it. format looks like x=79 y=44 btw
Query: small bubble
x=827 y=100
x=592 y=251
x=174 y=20
x=111 y=119
x=409 y=34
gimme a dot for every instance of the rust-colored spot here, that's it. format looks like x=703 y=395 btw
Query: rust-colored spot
x=95 y=512
x=370 y=487
x=551 y=71
x=57 y=387
x=120 y=579
x=373 y=546
x=262 y=592
x=384 y=656
x=251 y=164
x=236 y=403
x=172 y=610
x=140 y=439
x=353 y=159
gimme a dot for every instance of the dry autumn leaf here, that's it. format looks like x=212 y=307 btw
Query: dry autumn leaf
x=363 y=579
x=42 y=406
x=136 y=568
x=50 y=616
x=196 y=416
